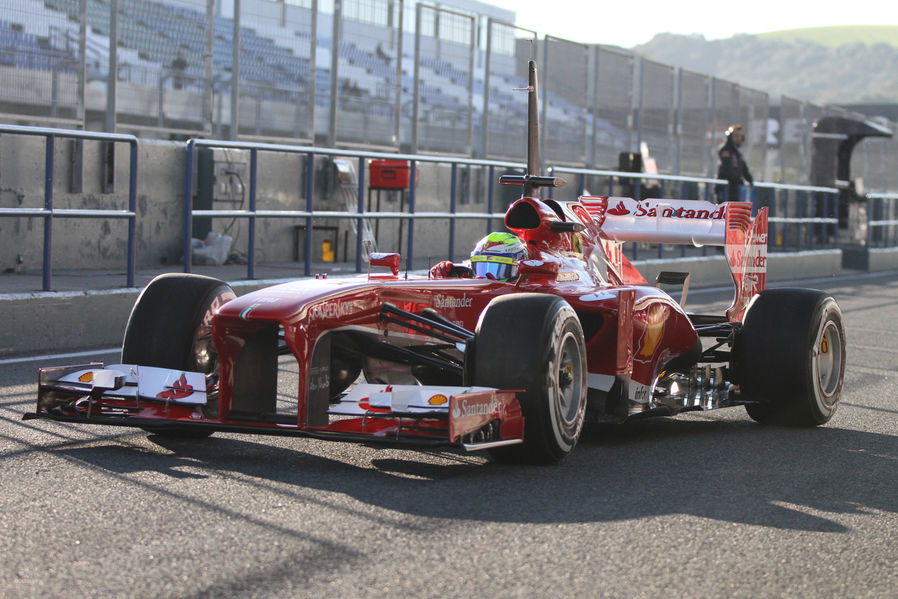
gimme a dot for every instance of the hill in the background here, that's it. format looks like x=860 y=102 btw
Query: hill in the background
x=830 y=65
x=838 y=36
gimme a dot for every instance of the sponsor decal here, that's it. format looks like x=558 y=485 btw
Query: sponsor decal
x=179 y=389
x=476 y=407
x=753 y=259
x=649 y=209
x=319 y=378
x=87 y=377
x=365 y=402
x=619 y=210
x=437 y=400
x=640 y=392
x=749 y=261
x=654 y=327
x=445 y=301
x=332 y=310
x=564 y=277
x=681 y=212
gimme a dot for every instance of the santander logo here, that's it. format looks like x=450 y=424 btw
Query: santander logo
x=684 y=209
x=619 y=210
x=475 y=407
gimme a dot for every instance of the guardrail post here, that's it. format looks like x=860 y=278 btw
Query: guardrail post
x=310 y=190
x=251 y=242
x=489 y=198
x=453 y=188
x=412 y=181
x=360 y=223
x=132 y=219
x=188 y=206
x=869 y=219
x=48 y=206
x=879 y=234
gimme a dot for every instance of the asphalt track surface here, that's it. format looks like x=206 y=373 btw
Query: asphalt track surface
x=700 y=505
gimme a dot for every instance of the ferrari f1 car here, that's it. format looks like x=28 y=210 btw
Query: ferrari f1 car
x=512 y=367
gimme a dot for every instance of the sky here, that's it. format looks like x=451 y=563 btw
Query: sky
x=627 y=23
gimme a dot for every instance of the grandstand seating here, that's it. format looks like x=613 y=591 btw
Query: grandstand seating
x=152 y=34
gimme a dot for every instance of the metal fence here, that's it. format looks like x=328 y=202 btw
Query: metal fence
x=389 y=75
x=49 y=212
x=801 y=217
x=798 y=214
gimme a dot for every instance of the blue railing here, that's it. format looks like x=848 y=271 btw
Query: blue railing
x=801 y=217
x=49 y=212
x=308 y=155
x=882 y=220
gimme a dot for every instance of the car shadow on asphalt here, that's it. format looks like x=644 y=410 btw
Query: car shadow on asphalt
x=727 y=470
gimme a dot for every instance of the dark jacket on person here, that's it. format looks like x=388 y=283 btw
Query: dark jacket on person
x=734 y=169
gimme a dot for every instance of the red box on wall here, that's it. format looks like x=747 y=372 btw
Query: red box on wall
x=389 y=174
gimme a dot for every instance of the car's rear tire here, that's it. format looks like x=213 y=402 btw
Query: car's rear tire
x=170 y=326
x=791 y=357
x=535 y=342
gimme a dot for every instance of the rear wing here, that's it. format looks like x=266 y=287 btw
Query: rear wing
x=690 y=222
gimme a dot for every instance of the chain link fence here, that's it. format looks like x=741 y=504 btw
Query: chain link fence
x=393 y=75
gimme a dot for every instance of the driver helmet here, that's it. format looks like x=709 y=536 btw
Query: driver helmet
x=497 y=255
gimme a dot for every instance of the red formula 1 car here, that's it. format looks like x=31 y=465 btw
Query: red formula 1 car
x=513 y=367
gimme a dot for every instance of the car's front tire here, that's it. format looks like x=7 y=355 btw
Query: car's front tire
x=535 y=342
x=170 y=326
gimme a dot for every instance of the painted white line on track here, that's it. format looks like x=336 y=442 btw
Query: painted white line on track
x=49 y=357
x=803 y=282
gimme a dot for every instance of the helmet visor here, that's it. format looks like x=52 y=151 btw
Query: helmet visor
x=495 y=270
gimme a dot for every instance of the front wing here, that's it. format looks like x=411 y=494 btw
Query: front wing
x=157 y=399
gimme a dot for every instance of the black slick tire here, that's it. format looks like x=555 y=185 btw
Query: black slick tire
x=790 y=357
x=535 y=342
x=170 y=326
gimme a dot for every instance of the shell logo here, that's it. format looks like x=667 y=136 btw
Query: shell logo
x=654 y=327
x=86 y=377
x=437 y=400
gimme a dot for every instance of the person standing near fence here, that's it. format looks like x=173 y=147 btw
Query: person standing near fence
x=178 y=66
x=732 y=165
